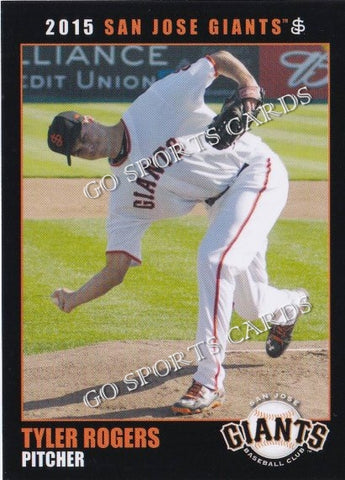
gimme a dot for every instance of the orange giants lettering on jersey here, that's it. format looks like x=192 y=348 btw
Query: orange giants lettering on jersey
x=145 y=198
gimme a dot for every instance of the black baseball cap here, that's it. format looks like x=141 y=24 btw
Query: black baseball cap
x=63 y=132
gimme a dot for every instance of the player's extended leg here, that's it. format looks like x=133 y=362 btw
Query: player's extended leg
x=240 y=222
x=253 y=296
x=278 y=309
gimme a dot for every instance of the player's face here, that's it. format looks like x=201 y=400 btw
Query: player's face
x=91 y=143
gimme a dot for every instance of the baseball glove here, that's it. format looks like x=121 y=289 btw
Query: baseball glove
x=232 y=120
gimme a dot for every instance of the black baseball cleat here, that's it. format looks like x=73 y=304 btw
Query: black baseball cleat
x=278 y=340
x=280 y=336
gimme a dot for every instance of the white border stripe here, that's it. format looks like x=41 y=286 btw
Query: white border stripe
x=257 y=350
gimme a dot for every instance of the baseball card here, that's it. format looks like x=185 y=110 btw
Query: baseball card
x=172 y=188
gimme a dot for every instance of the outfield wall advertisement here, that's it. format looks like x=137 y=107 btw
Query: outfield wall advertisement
x=121 y=73
x=109 y=72
x=296 y=66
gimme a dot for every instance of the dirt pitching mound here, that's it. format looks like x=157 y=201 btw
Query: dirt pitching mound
x=56 y=383
x=64 y=198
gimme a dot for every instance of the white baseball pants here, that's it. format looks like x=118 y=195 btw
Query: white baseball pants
x=231 y=260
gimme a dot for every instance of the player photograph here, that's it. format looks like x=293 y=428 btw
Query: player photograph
x=178 y=224
x=172 y=247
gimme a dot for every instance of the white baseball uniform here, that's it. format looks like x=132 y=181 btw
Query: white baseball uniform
x=231 y=260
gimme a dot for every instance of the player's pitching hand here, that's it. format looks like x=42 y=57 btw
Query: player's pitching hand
x=62 y=298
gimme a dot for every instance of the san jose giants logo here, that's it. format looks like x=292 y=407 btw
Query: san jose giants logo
x=56 y=139
x=274 y=430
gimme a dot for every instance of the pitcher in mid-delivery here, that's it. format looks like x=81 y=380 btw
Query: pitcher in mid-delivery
x=166 y=161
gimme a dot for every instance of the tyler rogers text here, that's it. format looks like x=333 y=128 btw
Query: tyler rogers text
x=62 y=443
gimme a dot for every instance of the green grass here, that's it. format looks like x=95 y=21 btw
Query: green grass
x=159 y=299
x=301 y=140
x=299 y=137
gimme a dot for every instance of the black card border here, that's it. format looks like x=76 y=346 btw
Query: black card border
x=188 y=449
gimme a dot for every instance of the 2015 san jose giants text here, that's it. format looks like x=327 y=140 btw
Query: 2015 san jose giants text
x=165 y=26
x=57 y=447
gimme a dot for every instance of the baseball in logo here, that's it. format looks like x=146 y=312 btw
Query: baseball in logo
x=56 y=139
x=274 y=433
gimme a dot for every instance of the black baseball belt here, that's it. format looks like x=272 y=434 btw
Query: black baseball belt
x=212 y=200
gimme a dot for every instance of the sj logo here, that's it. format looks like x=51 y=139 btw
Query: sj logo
x=56 y=139
x=308 y=68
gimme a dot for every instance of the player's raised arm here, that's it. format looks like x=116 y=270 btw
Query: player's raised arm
x=226 y=64
x=229 y=66
x=117 y=264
